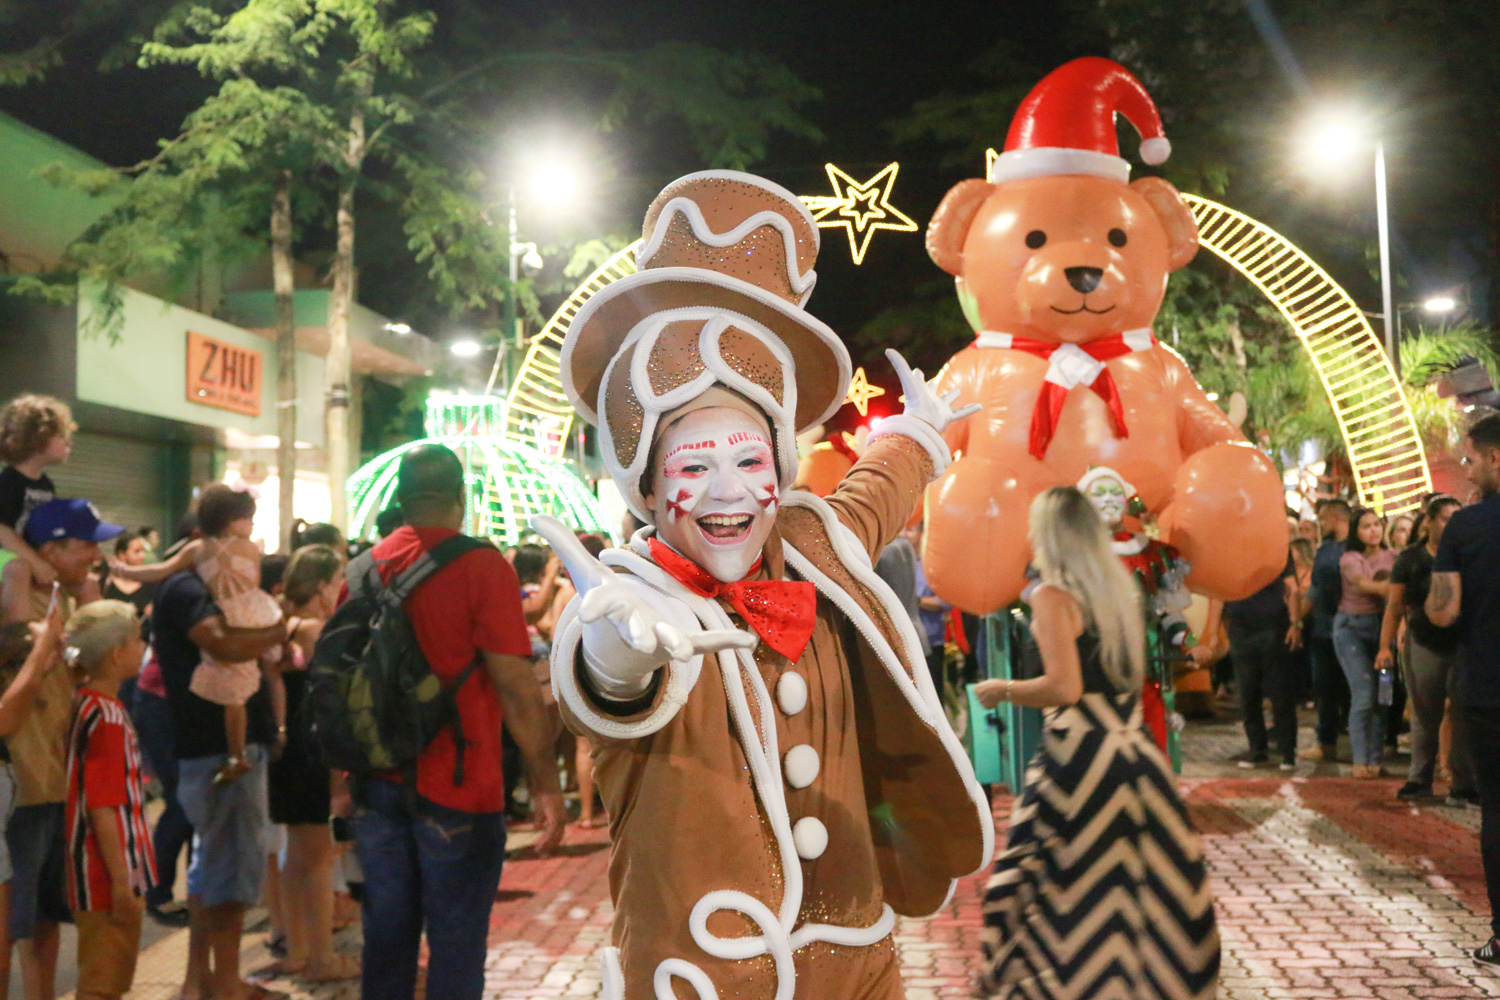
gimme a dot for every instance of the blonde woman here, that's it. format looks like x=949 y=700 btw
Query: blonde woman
x=1099 y=827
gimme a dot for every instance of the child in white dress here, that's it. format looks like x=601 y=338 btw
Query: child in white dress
x=229 y=565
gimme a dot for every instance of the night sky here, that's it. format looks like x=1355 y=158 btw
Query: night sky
x=872 y=63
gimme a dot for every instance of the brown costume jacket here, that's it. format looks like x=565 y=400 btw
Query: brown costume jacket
x=700 y=810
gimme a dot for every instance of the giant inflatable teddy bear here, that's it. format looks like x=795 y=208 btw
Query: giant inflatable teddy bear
x=1061 y=264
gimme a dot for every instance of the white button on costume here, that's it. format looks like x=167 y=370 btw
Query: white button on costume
x=791 y=693
x=810 y=837
x=801 y=765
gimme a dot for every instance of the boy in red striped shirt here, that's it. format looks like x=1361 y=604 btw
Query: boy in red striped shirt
x=110 y=864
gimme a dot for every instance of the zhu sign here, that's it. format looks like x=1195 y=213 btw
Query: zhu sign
x=224 y=375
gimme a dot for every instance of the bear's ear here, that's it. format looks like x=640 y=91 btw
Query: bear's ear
x=1176 y=218
x=950 y=223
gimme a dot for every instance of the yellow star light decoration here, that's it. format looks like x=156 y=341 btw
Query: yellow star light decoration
x=859 y=208
x=861 y=392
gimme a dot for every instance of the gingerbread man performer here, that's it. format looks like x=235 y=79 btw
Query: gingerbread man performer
x=780 y=778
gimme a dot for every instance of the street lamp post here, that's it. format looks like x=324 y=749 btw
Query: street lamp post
x=508 y=330
x=1382 y=218
x=1333 y=136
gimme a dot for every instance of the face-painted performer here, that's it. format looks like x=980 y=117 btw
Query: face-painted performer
x=779 y=776
x=1160 y=571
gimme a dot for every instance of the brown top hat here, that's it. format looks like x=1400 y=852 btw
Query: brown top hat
x=730 y=242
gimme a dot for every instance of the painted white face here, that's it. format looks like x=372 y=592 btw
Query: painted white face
x=1108 y=496
x=715 y=490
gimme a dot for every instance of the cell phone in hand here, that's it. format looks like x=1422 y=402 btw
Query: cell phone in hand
x=343 y=830
x=52 y=604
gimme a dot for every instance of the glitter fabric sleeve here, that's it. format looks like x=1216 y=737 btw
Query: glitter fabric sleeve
x=878 y=495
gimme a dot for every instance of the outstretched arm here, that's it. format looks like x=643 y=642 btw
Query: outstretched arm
x=46 y=653
x=904 y=454
x=185 y=559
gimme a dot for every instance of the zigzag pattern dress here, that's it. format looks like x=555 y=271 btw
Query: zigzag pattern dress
x=1101 y=892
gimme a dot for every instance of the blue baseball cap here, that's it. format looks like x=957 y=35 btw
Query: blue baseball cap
x=58 y=519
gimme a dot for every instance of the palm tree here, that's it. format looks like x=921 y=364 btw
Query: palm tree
x=1426 y=356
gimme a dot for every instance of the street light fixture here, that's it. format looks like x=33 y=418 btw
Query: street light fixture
x=1440 y=304
x=1337 y=135
x=466 y=348
x=551 y=181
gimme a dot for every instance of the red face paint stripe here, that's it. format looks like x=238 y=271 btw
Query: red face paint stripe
x=693 y=446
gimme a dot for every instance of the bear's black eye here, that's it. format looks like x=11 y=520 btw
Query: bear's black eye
x=1117 y=237
x=1036 y=239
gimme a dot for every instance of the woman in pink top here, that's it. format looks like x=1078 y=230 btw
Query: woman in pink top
x=1366 y=571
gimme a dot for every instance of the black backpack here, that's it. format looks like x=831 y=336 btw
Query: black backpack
x=373 y=702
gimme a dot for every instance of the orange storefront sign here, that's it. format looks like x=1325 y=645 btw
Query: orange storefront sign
x=223 y=375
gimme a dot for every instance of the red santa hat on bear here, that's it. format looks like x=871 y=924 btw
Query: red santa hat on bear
x=1066 y=125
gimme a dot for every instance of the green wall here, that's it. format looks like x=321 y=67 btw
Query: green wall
x=145 y=369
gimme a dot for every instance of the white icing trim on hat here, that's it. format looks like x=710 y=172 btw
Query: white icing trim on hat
x=1046 y=161
x=697 y=275
x=755 y=180
x=801 y=283
x=781 y=414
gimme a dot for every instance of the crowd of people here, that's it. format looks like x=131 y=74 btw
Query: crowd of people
x=187 y=673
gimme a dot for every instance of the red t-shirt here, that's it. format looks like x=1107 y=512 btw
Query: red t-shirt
x=104 y=772
x=472 y=604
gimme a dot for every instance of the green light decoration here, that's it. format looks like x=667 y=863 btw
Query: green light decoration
x=506 y=482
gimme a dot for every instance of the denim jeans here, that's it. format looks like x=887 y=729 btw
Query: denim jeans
x=439 y=870
x=153 y=724
x=1356 y=637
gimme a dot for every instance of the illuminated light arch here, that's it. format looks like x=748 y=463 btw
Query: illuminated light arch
x=1385 y=451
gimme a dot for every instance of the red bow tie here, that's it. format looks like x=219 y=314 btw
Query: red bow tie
x=1070 y=365
x=781 y=612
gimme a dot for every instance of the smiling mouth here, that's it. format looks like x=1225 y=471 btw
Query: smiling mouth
x=725 y=529
x=1083 y=308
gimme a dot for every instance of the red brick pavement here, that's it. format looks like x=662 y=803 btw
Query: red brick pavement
x=1326 y=887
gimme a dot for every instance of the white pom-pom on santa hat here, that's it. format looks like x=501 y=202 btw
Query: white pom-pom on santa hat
x=1066 y=125
x=1155 y=151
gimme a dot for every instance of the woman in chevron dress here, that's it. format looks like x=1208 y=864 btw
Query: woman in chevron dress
x=1101 y=890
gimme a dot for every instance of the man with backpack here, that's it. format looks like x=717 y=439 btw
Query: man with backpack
x=430 y=827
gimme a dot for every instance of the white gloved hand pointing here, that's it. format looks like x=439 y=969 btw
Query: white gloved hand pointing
x=625 y=639
x=922 y=400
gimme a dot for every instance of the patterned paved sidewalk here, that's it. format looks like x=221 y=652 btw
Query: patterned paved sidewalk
x=1326 y=887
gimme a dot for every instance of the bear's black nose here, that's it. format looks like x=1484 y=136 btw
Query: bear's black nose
x=1084 y=279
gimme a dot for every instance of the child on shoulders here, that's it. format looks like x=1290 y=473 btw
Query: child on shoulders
x=36 y=432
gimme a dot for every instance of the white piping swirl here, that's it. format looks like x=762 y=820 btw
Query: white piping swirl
x=800 y=281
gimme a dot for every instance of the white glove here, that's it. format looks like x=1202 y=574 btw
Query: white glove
x=625 y=639
x=922 y=401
